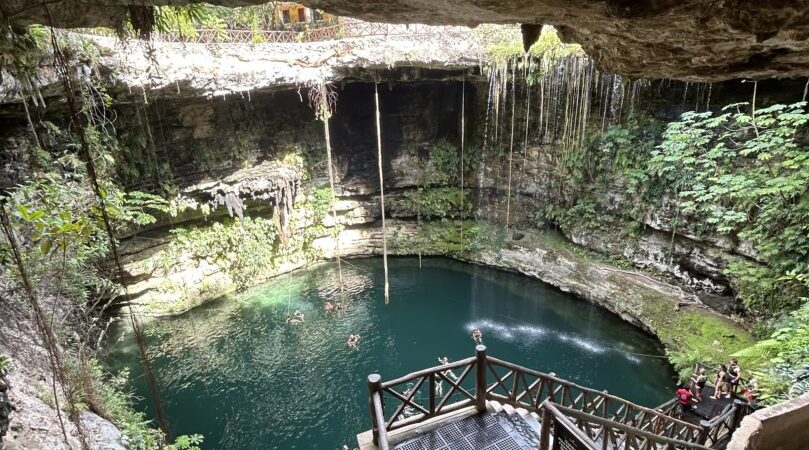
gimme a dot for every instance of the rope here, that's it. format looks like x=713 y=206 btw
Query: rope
x=463 y=132
x=381 y=192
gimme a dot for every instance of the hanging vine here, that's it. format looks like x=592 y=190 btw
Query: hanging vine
x=381 y=191
x=463 y=134
x=511 y=144
x=323 y=98
x=79 y=122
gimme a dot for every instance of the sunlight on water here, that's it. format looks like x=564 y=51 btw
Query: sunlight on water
x=236 y=372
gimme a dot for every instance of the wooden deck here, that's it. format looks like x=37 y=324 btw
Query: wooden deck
x=709 y=407
x=501 y=427
x=484 y=402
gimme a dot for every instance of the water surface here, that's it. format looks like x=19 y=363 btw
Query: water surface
x=234 y=371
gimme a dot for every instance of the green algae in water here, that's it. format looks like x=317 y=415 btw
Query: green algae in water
x=234 y=371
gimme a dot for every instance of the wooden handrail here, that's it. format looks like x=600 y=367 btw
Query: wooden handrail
x=558 y=419
x=526 y=388
x=422 y=373
x=565 y=388
x=570 y=412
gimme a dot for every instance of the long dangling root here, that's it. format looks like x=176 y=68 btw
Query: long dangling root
x=84 y=152
x=322 y=99
x=381 y=192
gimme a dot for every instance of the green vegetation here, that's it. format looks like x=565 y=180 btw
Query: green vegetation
x=443 y=202
x=782 y=358
x=57 y=226
x=245 y=249
x=5 y=365
x=739 y=173
x=504 y=43
x=109 y=396
x=746 y=173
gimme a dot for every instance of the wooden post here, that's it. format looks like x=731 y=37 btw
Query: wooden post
x=545 y=430
x=432 y=394
x=374 y=386
x=703 y=436
x=480 y=378
x=737 y=413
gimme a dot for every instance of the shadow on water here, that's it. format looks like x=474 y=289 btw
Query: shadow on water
x=236 y=372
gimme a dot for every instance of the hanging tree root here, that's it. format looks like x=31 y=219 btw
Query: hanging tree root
x=322 y=98
x=84 y=151
x=381 y=191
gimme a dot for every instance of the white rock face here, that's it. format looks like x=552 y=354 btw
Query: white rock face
x=225 y=69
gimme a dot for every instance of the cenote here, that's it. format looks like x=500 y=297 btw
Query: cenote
x=234 y=371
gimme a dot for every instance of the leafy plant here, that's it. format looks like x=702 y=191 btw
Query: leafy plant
x=747 y=175
x=245 y=249
x=5 y=365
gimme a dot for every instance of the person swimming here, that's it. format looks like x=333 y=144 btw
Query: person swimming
x=328 y=306
x=297 y=318
x=443 y=360
x=477 y=336
x=353 y=340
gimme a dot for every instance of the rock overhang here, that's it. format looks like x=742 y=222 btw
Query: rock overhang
x=692 y=40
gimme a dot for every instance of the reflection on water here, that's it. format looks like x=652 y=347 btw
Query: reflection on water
x=236 y=372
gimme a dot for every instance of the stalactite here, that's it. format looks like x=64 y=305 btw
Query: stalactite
x=511 y=144
x=805 y=90
x=381 y=191
x=708 y=101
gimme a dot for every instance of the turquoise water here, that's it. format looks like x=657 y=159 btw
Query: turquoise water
x=234 y=371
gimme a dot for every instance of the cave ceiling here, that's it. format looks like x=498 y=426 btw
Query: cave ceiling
x=698 y=40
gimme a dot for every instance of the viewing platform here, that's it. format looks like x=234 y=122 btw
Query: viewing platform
x=486 y=403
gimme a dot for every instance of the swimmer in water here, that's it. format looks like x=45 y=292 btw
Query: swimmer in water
x=328 y=306
x=353 y=340
x=477 y=336
x=298 y=315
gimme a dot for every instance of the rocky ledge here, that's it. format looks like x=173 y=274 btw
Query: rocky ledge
x=698 y=40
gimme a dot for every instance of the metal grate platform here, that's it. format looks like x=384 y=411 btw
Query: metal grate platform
x=482 y=431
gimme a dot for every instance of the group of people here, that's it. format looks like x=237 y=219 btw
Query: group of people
x=298 y=317
x=334 y=307
x=726 y=384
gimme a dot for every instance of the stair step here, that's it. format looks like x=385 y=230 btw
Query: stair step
x=522 y=412
x=532 y=422
x=496 y=406
x=508 y=409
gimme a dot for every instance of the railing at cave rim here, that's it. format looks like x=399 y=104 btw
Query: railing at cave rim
x=341 y=30
x=421 y=396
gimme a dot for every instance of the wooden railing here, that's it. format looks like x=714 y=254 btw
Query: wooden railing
x=591 y=432
x=529 y=389
x=345 y=29
x=720 y=428
x=421 y=396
